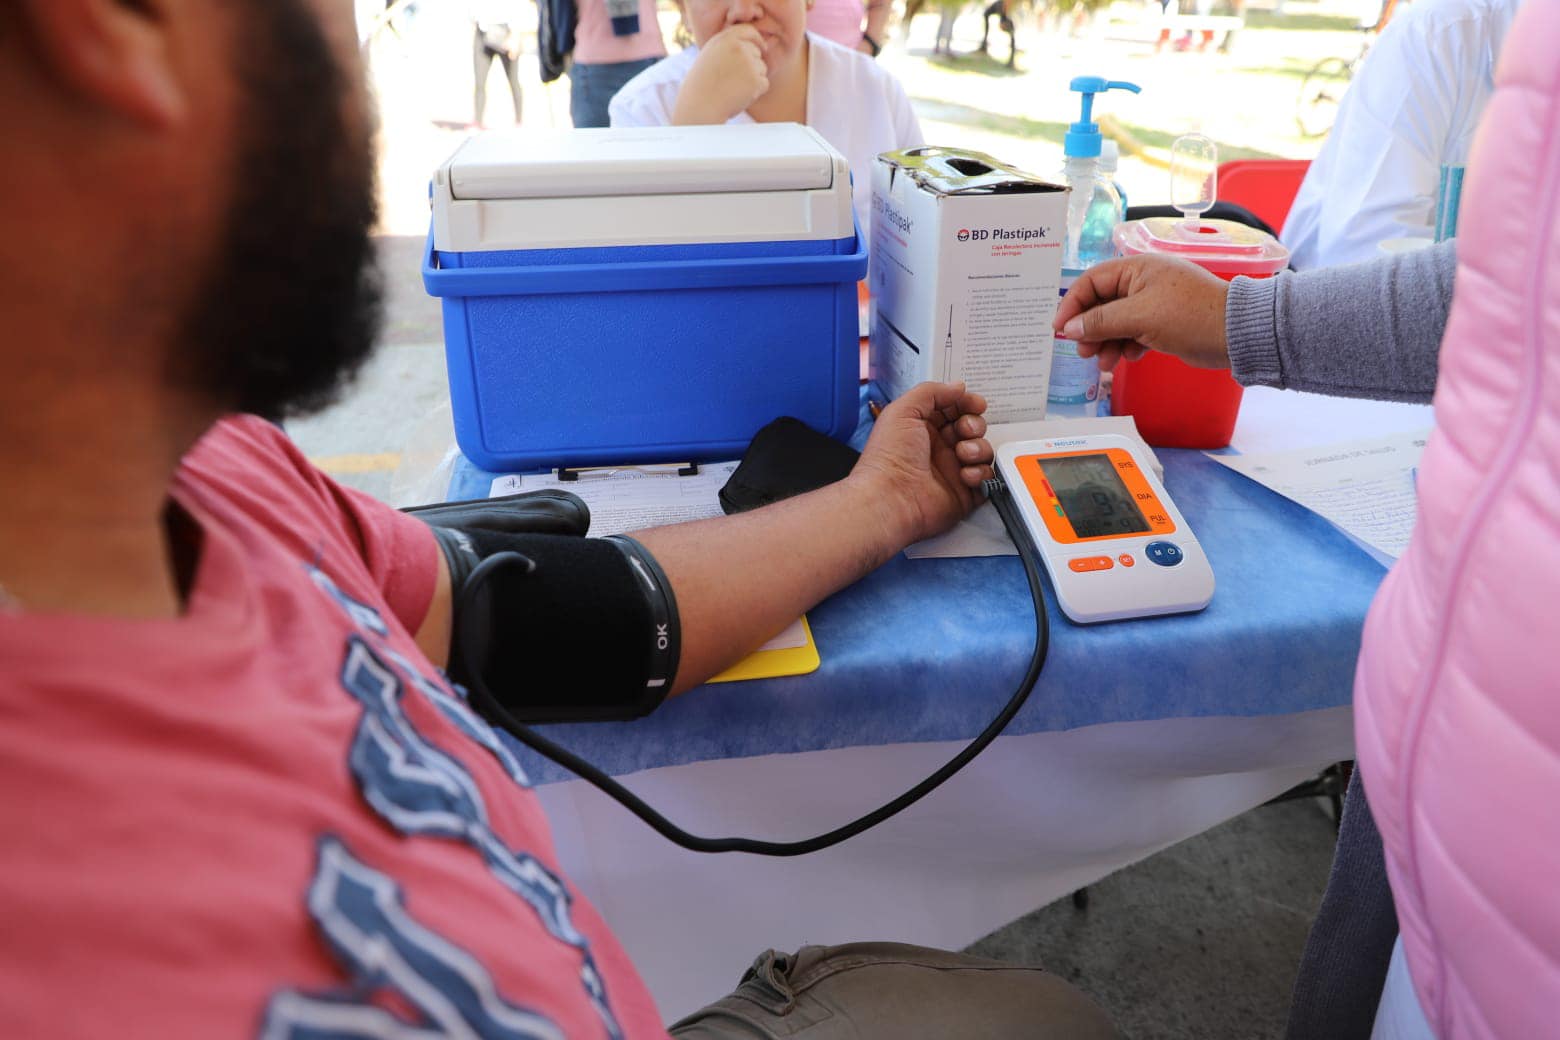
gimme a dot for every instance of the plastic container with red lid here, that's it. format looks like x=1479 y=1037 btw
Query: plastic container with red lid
x=1174 y=404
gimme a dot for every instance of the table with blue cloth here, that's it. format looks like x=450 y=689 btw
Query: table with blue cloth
x=1139 y=734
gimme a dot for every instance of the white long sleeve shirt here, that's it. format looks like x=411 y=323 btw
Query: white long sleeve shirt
x=1414 y=105
x=852 y=101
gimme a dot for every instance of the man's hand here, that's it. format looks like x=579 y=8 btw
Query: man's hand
x=1122 y=308
x=926 y=458
x=728 y=75
x=915 y=479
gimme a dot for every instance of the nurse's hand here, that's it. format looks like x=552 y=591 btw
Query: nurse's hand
x=1122 y=308
x=925 y=461
x=728 y=75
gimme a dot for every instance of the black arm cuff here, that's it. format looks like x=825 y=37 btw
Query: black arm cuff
x=666 y=625
x=588 y=633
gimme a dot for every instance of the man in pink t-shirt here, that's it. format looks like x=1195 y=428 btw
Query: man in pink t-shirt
x=242 y=796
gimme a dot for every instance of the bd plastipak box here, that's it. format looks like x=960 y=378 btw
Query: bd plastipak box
x=966 y=264
x=645 y=294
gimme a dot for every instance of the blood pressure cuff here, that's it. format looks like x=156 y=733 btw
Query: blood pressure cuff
x=570 y=629
x=530 y=512
x=786 y=458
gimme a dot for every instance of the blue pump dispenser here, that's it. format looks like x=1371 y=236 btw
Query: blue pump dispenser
x=1093 y=210
x=1083 y=137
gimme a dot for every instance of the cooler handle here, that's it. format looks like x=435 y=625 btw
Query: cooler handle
x=658 y=274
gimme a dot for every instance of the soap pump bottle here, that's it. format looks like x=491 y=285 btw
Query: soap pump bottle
x=1094 y=208
x=1110 y=160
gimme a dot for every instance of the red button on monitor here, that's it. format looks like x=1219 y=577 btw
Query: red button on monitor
x=1084 y=564
x=1126 y=559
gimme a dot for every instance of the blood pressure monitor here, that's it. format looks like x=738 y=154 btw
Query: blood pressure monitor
x=1113 y=542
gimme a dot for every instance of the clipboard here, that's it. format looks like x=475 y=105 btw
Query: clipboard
x=792 y=652
x=630 y=498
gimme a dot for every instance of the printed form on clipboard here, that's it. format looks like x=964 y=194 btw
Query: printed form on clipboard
x=632 y=498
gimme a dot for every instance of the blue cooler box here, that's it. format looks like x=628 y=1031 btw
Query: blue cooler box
x=647 y=294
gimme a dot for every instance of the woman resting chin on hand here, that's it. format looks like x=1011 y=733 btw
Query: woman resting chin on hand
x=756 y=62
x=728 y=76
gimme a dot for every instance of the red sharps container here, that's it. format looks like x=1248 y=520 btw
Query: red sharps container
x=1174 y=404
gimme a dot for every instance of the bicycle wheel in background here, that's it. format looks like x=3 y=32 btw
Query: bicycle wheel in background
x=1320 y=92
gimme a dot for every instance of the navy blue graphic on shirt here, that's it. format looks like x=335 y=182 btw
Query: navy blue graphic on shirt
x=421 y=790
x=467 y=721
x=362 y=918
x=362 y=615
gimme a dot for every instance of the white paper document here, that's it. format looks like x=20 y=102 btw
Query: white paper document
x=630 y=498
x=1365 y=487
x=1286 y=420
x=793 y=638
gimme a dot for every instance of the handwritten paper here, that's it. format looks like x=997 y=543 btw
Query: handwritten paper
x=1365 y=487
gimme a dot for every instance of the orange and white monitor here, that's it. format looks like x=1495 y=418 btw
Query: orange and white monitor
x=1113 y=542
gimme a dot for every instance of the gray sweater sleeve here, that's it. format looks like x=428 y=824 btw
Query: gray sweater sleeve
x=1364 y=330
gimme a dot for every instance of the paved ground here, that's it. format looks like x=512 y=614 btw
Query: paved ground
x=1199 y=941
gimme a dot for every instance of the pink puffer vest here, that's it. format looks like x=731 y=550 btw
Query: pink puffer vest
x=1458 y=690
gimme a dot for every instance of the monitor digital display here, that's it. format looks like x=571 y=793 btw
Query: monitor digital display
x=1093 y=496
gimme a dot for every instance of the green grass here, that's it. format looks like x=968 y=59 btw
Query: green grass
x=1036 y=129
x=1306 y=22
x=976 y=63
x=984 y=119
x=1294 y=68
x=1163 y=139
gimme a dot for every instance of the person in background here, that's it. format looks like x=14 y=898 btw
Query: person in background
x=242 y=796
x=998 y=9
x=495 y=38
x=614 y=41
x=1412 y=107
x=849 y=24
x=402 y=17
x=755 y=61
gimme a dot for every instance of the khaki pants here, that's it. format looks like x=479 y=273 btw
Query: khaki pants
x=888 y=991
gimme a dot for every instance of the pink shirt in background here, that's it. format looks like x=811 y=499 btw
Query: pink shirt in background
x=594 y=43
x=838 y=20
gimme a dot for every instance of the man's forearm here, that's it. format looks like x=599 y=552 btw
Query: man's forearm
x=741 y=579
x=1366 y=330
x=703 y=594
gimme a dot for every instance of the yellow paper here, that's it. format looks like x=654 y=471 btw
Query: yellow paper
x=792 y=652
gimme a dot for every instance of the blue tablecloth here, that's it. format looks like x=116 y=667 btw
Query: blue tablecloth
x=928 y=650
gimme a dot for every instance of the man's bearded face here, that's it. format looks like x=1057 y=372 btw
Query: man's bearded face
x=291 y=307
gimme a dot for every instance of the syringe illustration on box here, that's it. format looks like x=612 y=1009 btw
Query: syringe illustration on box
x=957 y=235
x=948 y=349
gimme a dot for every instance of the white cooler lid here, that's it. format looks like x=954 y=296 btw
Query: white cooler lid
x=622 y=186
x=662 y=160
